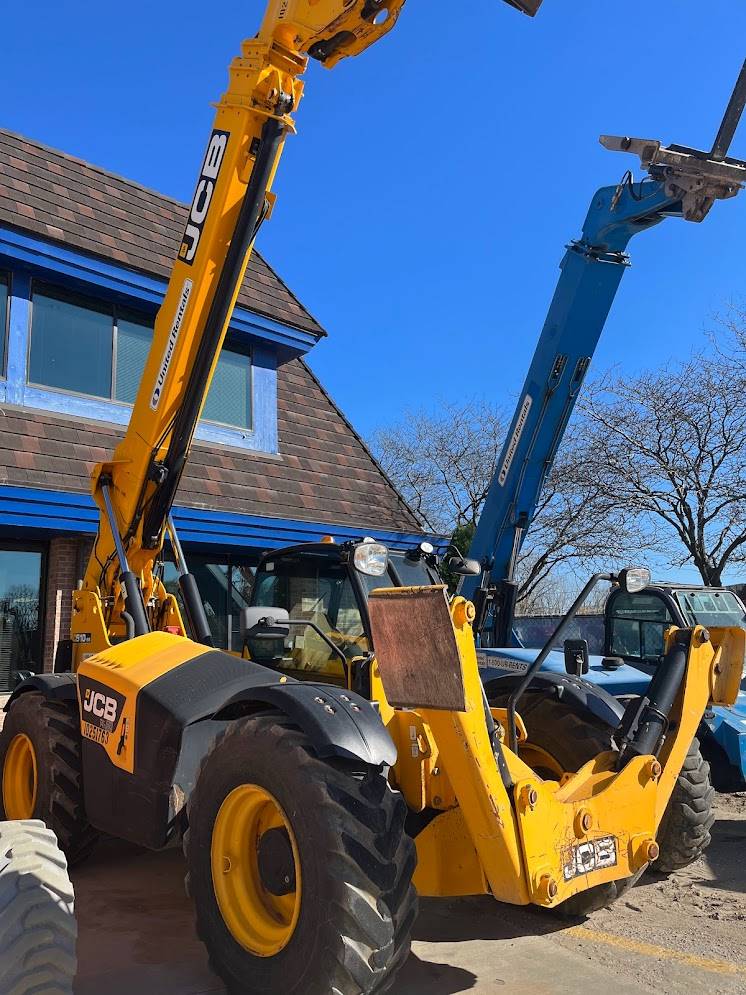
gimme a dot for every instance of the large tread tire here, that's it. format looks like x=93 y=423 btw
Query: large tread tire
x=684 y=832
x=358 y=904
x=54 y=730
x=37 y=921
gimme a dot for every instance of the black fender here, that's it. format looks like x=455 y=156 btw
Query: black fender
x=58 y=687
x=339 y=723
x=583 y=697
x=180 y=714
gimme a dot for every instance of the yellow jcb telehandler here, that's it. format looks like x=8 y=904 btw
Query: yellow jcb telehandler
x=298 y=800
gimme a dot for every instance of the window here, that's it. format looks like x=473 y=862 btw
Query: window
x=225 y=588
x=21 y=572
x=316 y=590
x=711 y=608
x=89 y=347
x=229 y=397
x=75 y=346
x=3 y=318
x=638 y=624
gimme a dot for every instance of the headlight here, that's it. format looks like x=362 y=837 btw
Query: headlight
x=634 y=579
x=371 y=558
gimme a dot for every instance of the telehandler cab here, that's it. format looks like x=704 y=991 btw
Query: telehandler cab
x=297 y=800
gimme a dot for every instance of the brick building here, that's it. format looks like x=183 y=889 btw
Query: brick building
x=84 y=262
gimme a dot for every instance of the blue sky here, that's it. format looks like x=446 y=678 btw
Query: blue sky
x=427 y=199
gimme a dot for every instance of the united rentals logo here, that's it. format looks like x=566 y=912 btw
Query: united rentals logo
x=515 y=439
x=203 y=196
x=101 y=709
x=173 y=335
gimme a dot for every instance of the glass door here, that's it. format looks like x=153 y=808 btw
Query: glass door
x=21 y=573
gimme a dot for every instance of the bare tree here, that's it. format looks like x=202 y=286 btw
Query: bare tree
x=443 y=465
x=670 y=448
x=578 y=528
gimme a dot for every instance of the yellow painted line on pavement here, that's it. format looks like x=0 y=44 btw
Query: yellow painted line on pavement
x=651 y=950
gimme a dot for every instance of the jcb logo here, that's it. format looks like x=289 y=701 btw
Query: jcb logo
x=203 y=195
x=100 y=705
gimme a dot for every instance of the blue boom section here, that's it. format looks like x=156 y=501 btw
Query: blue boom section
x=726 y=727
x=591 y=272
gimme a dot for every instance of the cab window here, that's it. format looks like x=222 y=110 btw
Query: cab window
x=638 y=623
x=314 y=589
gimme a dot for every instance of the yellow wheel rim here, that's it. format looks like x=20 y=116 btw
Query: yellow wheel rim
x=261 y=921
x=541 y=761
x=20 y=779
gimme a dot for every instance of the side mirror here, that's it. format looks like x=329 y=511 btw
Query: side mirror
x=634 y=579
x=268 y=626
x=576 y=657
x=463 y=567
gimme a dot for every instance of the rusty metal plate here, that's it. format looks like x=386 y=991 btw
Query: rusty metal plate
x=416 y=649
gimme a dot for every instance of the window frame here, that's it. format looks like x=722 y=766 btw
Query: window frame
x=6 y=280
x=613 y=615
x=117 y=311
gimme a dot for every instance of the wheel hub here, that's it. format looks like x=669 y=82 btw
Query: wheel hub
x=256 y=872
x=276 y=862
x=20 y=779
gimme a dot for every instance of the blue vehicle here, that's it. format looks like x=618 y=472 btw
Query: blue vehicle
x=570 y=719
x=634 y=627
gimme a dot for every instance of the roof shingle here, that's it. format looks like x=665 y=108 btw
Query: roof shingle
x=84 y=207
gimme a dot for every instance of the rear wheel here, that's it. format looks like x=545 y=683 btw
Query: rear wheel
x=37 y=922
x=41 y=770
x=300 y=868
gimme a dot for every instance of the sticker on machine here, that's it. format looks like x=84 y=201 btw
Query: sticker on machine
x=173 y=335
x=208 y=179
x=486 y=661
x=101 y=709
x=584 y=858
x=514 y=440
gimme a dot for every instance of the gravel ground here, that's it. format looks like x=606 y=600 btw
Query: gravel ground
x=683 y=934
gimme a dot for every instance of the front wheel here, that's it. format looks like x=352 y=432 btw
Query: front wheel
x=299 y=868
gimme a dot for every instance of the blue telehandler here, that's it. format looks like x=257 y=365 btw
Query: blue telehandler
x=681 y=183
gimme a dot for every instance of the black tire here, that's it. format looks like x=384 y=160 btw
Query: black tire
x=54 y=730
x=557 y=730
x=358 y=904
x=684 y=832
x=37 y=921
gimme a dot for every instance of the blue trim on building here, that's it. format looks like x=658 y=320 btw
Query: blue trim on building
x=56 y=513
x=262 y=437
x=99 y=274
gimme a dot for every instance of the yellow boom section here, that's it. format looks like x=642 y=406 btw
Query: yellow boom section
x=233 y=192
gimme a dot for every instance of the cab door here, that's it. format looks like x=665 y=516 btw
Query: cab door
x=636 y=626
